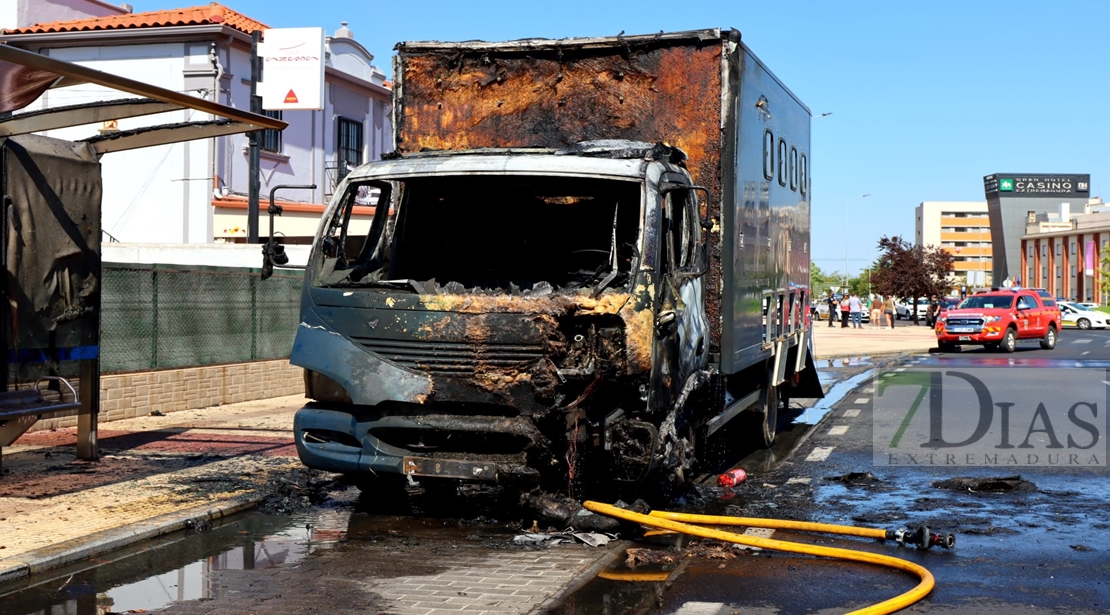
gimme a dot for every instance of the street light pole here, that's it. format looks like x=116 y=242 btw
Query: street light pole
x=846 y=220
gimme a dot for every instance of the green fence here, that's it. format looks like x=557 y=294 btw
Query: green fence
x=165 y=316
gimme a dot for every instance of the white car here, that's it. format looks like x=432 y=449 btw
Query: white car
x=1082 y=317
x=902 y=310
x=1090 y=305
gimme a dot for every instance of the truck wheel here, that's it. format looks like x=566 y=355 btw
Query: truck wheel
x=1009 y=341
x=1049 y=340
x=991 y=346
x=769 y=411
x=1083 y=323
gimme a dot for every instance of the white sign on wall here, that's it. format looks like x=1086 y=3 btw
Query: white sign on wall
x=292 y=69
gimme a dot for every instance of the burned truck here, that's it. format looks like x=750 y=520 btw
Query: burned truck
x=585 y=257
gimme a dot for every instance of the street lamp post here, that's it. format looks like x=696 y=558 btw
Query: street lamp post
x=847 y=218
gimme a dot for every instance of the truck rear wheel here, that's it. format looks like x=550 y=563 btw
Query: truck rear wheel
x=1049 y=340
x=769 y=412
x=1009 y=341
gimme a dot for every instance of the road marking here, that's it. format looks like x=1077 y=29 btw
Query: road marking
x=851 y=413
x=798 y=480
x=900 y=369
x=1086 y=352
x=1086 y=341
x=758 y=532
x=838 y=430
x=820 y=453
x=871 y=390
x=861 y=400
x=701 y=608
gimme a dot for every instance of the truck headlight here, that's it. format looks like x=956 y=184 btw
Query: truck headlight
x=992 y=318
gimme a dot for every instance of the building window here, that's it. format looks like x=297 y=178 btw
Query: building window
x=271 y=139
x=349 y=146
x=1057 y=249
x=1073 y=248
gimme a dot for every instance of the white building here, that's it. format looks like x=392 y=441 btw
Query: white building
x=195 y=192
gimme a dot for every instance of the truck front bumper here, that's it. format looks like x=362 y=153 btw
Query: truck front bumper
x=987 y=334
x=475 y=448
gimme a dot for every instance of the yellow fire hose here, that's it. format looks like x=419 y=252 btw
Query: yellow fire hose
x=680 y=522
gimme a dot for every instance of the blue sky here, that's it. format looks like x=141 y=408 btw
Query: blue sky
x=926 y=97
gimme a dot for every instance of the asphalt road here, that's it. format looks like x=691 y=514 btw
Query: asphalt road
x=1034 y=544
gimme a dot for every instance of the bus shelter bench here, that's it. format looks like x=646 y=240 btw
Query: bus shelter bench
x=22 y=408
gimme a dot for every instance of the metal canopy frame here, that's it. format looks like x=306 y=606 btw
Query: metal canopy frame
x=53 y=73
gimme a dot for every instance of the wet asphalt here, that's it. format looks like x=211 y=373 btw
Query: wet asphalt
x=1038 y=550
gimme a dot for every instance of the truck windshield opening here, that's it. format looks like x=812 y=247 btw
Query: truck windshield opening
x=494 y=234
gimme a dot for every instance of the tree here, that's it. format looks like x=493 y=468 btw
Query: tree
x=910 y=272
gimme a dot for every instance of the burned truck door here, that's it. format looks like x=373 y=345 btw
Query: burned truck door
x=681 y=326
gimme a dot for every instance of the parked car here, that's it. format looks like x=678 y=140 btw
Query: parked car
x=997 y=320
x=820 y=311
x=947 y=303
x=1089 y=304
x=902 y=309
x=1082 y=317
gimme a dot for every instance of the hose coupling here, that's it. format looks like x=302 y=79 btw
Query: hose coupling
x=922 y=538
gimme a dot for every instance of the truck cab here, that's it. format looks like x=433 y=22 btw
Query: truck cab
x=502 y=307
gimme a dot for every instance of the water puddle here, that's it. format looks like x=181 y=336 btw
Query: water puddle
x=813 y=414
x=177 y=567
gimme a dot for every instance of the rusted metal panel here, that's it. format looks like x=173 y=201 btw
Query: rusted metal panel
x=669 y=90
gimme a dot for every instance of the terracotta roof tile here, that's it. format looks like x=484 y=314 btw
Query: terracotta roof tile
x=211 y=14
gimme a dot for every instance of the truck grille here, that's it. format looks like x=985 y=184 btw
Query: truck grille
x=452 y=358
x=965 y=322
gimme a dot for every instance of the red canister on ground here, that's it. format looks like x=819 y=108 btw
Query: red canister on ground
x=732 y=478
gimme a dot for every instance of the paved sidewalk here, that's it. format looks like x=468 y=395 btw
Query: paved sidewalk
x=156 y=475
x=837 y=342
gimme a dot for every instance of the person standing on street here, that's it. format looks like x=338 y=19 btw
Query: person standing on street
x=855 y=308
x=933 y=312
x=845 y=311
x=888 y=310
x=876 y=311
x=834 y=307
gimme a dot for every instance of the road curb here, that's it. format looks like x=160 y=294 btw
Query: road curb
x=883 y=355
x=56 y=556
x=614 y=550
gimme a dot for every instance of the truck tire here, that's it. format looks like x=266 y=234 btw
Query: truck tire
x=1048 y=342
x=769 y=414
x=1009 y=341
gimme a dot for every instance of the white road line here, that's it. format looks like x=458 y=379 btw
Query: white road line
x=798 y=480
x=1086 y=341
x=861 y=400
x=1085 y=352
x=758 y=532
x=838 y=430
x=851 y=413
x=900 y=369
x=820 y=453
x=701 y=608
x=871 y=390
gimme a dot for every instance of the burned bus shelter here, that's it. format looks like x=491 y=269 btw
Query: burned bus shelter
x=50 y=237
